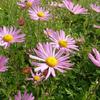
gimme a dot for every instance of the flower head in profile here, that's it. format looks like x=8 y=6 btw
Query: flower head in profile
x=95 y=57
x=96 y=26
x=95 y=8
x=3 y=62
x=39 y=13
x=50 y=59
x=48 y=32
x=75 y=9
x=25 y=96
x=9 y=36
x=36 y=77
x=28 y=3
x=61 y=41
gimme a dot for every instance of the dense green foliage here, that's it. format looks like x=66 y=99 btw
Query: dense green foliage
x=80 y=83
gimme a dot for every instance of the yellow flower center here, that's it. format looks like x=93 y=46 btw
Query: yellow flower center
x=63 y=43
x=37 y=78
x=41 y=14
x=29 y=4
x=8 y=38
x=51 y=61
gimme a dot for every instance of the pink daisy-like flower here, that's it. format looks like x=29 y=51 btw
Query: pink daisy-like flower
x=48 y=32
x=26 y=96
x=9 y=36
x=75 y=9
x=37 y=77
x=28 y=3
x=95 y=8
x=38 y=13
x=50 y=59
x=3 y=61
x=61 y=41
x=96 y=26
x=95 y=57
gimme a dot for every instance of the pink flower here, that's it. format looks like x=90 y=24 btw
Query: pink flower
x=26 y=96
x=95 y=8
x=37 y=77
x=75 y=9
x=9 y=36
x=95 y=58
x=28 y=3
x=50 y=59
x=38 y=13
x=3 y=61
x=48 y=32
x=61 y=41
x=96 y=26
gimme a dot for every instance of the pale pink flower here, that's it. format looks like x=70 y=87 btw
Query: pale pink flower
x=75 y=9
x=36 y=77
x=48 y=32
x=95 y=57
x=95 y=8
x=9 y=36
x=3 y=62
x=50 y=59
x=39 y=13
x=61 y=41
x=96 y=26
x=28 y=3
x=25 y=96
x=56 y=4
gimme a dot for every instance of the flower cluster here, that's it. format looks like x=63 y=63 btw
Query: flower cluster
x=54 y=55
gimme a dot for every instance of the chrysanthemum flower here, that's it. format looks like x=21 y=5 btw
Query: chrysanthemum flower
x=50 y=59
x=9 y=36
x=38 y=13
x=96 y=26
x=3 y=62
x=28 y=3
x=26 y=96
x=95 y=8
x=48 y=32
x=61 y=41
x=37 y=77
x=75 y=9
x=95 y=57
